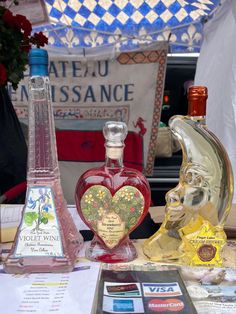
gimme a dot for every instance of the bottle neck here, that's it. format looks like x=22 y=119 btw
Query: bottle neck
x=114 y=156
x=197 y=109
x=39 y=89
x=197 y=106
x=42 y=152
x=39 y=70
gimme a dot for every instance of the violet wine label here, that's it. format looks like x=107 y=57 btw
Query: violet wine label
x=39 y=231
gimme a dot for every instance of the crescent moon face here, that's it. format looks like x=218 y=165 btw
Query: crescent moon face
x=206 y=178
x=204 y=192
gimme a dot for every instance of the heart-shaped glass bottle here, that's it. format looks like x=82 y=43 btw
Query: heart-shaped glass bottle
x=112 y=200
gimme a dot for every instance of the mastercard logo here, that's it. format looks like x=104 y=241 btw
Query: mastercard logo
x=171 y=305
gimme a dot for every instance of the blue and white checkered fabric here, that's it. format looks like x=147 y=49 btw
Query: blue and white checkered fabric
x=133 y=18
x=126 y=15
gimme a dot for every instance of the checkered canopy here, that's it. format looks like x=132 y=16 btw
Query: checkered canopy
x=126 y=24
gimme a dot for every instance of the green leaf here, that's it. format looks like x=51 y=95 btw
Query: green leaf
x=30 y=217
x=132 y=221
x=44 y=220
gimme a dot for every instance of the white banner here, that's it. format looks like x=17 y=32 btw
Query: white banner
x=86 y=94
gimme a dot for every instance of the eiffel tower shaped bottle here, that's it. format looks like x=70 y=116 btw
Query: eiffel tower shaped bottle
x=47 y=239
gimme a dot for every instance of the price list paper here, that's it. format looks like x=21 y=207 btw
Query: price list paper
x=50 y=293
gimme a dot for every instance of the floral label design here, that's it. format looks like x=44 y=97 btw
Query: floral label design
x=39 y=231
x=112 y=217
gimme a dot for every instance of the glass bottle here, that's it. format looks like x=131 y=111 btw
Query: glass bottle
x=197 y=208
x=112 y=200
x=47 y=239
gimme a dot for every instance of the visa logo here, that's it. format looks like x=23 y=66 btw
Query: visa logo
x=161 y=289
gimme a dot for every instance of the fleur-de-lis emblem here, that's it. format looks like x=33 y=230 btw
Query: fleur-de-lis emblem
x=93 y=39
x=70 y=39
x=166 y=35
x=191 y=37
x=142 y=37
x=51 y=38
x=117 y=40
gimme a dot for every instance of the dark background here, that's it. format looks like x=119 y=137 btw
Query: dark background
x=166 y=170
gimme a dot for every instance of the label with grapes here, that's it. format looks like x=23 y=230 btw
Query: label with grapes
x=39 y=231
x=112 y=217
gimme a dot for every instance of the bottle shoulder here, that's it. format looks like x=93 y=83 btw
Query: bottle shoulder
x=190 y=120
x=112 y=173
x=113 y=179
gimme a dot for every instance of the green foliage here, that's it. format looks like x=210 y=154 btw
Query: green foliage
x=44 y=220
x=30 y=217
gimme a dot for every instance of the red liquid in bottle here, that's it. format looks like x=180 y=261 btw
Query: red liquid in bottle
x=112 y=200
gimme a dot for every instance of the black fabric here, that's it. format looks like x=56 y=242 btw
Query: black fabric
x=13 y=148
x=146 y=229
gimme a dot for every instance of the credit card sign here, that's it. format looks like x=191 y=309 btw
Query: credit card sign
x=161 y=289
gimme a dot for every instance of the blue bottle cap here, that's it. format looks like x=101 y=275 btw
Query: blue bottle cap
x=38 y=61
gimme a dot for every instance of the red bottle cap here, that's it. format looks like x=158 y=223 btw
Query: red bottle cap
x=197 y=97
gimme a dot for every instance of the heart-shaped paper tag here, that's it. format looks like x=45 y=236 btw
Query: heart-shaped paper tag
x=112 y=217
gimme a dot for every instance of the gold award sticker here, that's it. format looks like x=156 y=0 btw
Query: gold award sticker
x=112 y=217
x=202 y=245
x=206 y=252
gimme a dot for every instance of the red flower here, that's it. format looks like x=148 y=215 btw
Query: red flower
x=19 y=21
x=15 y=44
x=8 y=18
x=132 y=209
x=40 y=39
x=3 y=75
x=23 y=23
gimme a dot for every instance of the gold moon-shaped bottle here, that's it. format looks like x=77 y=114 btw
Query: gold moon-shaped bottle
x=197 y=208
